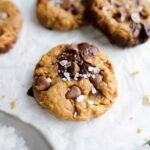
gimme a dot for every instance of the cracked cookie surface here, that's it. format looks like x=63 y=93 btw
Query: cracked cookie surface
x=75 y=82
x=10 y=24
x=125 y=22
x=61 y=14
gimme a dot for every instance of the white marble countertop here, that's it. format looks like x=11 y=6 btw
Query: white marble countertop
x=117 y=128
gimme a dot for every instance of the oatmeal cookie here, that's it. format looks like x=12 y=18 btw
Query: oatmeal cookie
x=61 y=14
x=125 y=22
x=75 y=82
x=10 y=24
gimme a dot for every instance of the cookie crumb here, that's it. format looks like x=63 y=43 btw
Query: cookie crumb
x=13 y=104
x=3 y=97
x=146 y=99
x=135 y=73
x=138 y=130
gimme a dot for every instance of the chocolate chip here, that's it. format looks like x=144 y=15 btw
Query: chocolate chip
x=66 y=4
x=42 y=83
x=74 y=68
x=87 y=51
x=73 y=92
x=147 y=29
x=71 y=49
x=96 y=80
x=30 y=92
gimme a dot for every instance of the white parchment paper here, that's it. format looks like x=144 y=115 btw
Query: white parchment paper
x=115 y=130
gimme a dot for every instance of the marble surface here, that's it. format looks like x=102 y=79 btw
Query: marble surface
x=117 y=128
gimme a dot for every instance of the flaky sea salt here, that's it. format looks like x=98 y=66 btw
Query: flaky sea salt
x=94 y=69
x=3 y=15
x=9 y=140
x=146 y=99
x=94 y=90
x=136 y=17
x=80 y=98
x=67 y=75
x=90 y=102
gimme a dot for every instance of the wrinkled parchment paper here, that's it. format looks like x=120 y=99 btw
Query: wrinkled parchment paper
x=117 y=128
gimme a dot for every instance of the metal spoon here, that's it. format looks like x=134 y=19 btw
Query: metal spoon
x=33 y=137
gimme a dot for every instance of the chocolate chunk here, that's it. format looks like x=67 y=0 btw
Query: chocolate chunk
x=73 y=92
x=71 y=49
x=74 y=68
x=147 y=29
x=87 y=51
x=66 y=4
x=42 y=83
x=30 y=92
x=96 y=80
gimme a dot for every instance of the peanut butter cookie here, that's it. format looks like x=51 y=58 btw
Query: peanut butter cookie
x=10 y=24
x=75 y=82
x=61 y=14
x=125 y=22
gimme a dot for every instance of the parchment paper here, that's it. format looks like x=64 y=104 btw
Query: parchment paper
x=117 y=128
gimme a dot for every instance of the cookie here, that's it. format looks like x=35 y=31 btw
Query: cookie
x=75 y=82
x=125 y=22
x=61 y=14
x=10 y=24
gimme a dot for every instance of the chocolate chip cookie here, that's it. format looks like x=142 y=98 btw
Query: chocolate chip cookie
x=61 y=14
x=75 y=82
x=10 y=24
x=125 y=22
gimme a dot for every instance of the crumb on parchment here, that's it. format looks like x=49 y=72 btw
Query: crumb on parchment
x=146 y=99
x=135 y=73
x=13 y=104
x=3 y=97
x=138 y=130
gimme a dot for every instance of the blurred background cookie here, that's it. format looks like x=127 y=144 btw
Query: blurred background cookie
x=10 y=24
x=75 y=82
x=125 y=22
x=61 y=14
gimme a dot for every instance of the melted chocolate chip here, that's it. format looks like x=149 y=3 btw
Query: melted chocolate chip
x=87 y=51
x=73 y=69
x=73 y=92
x=30 y=92
x=42 y=83
x=77 y=56
x=96 y=80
